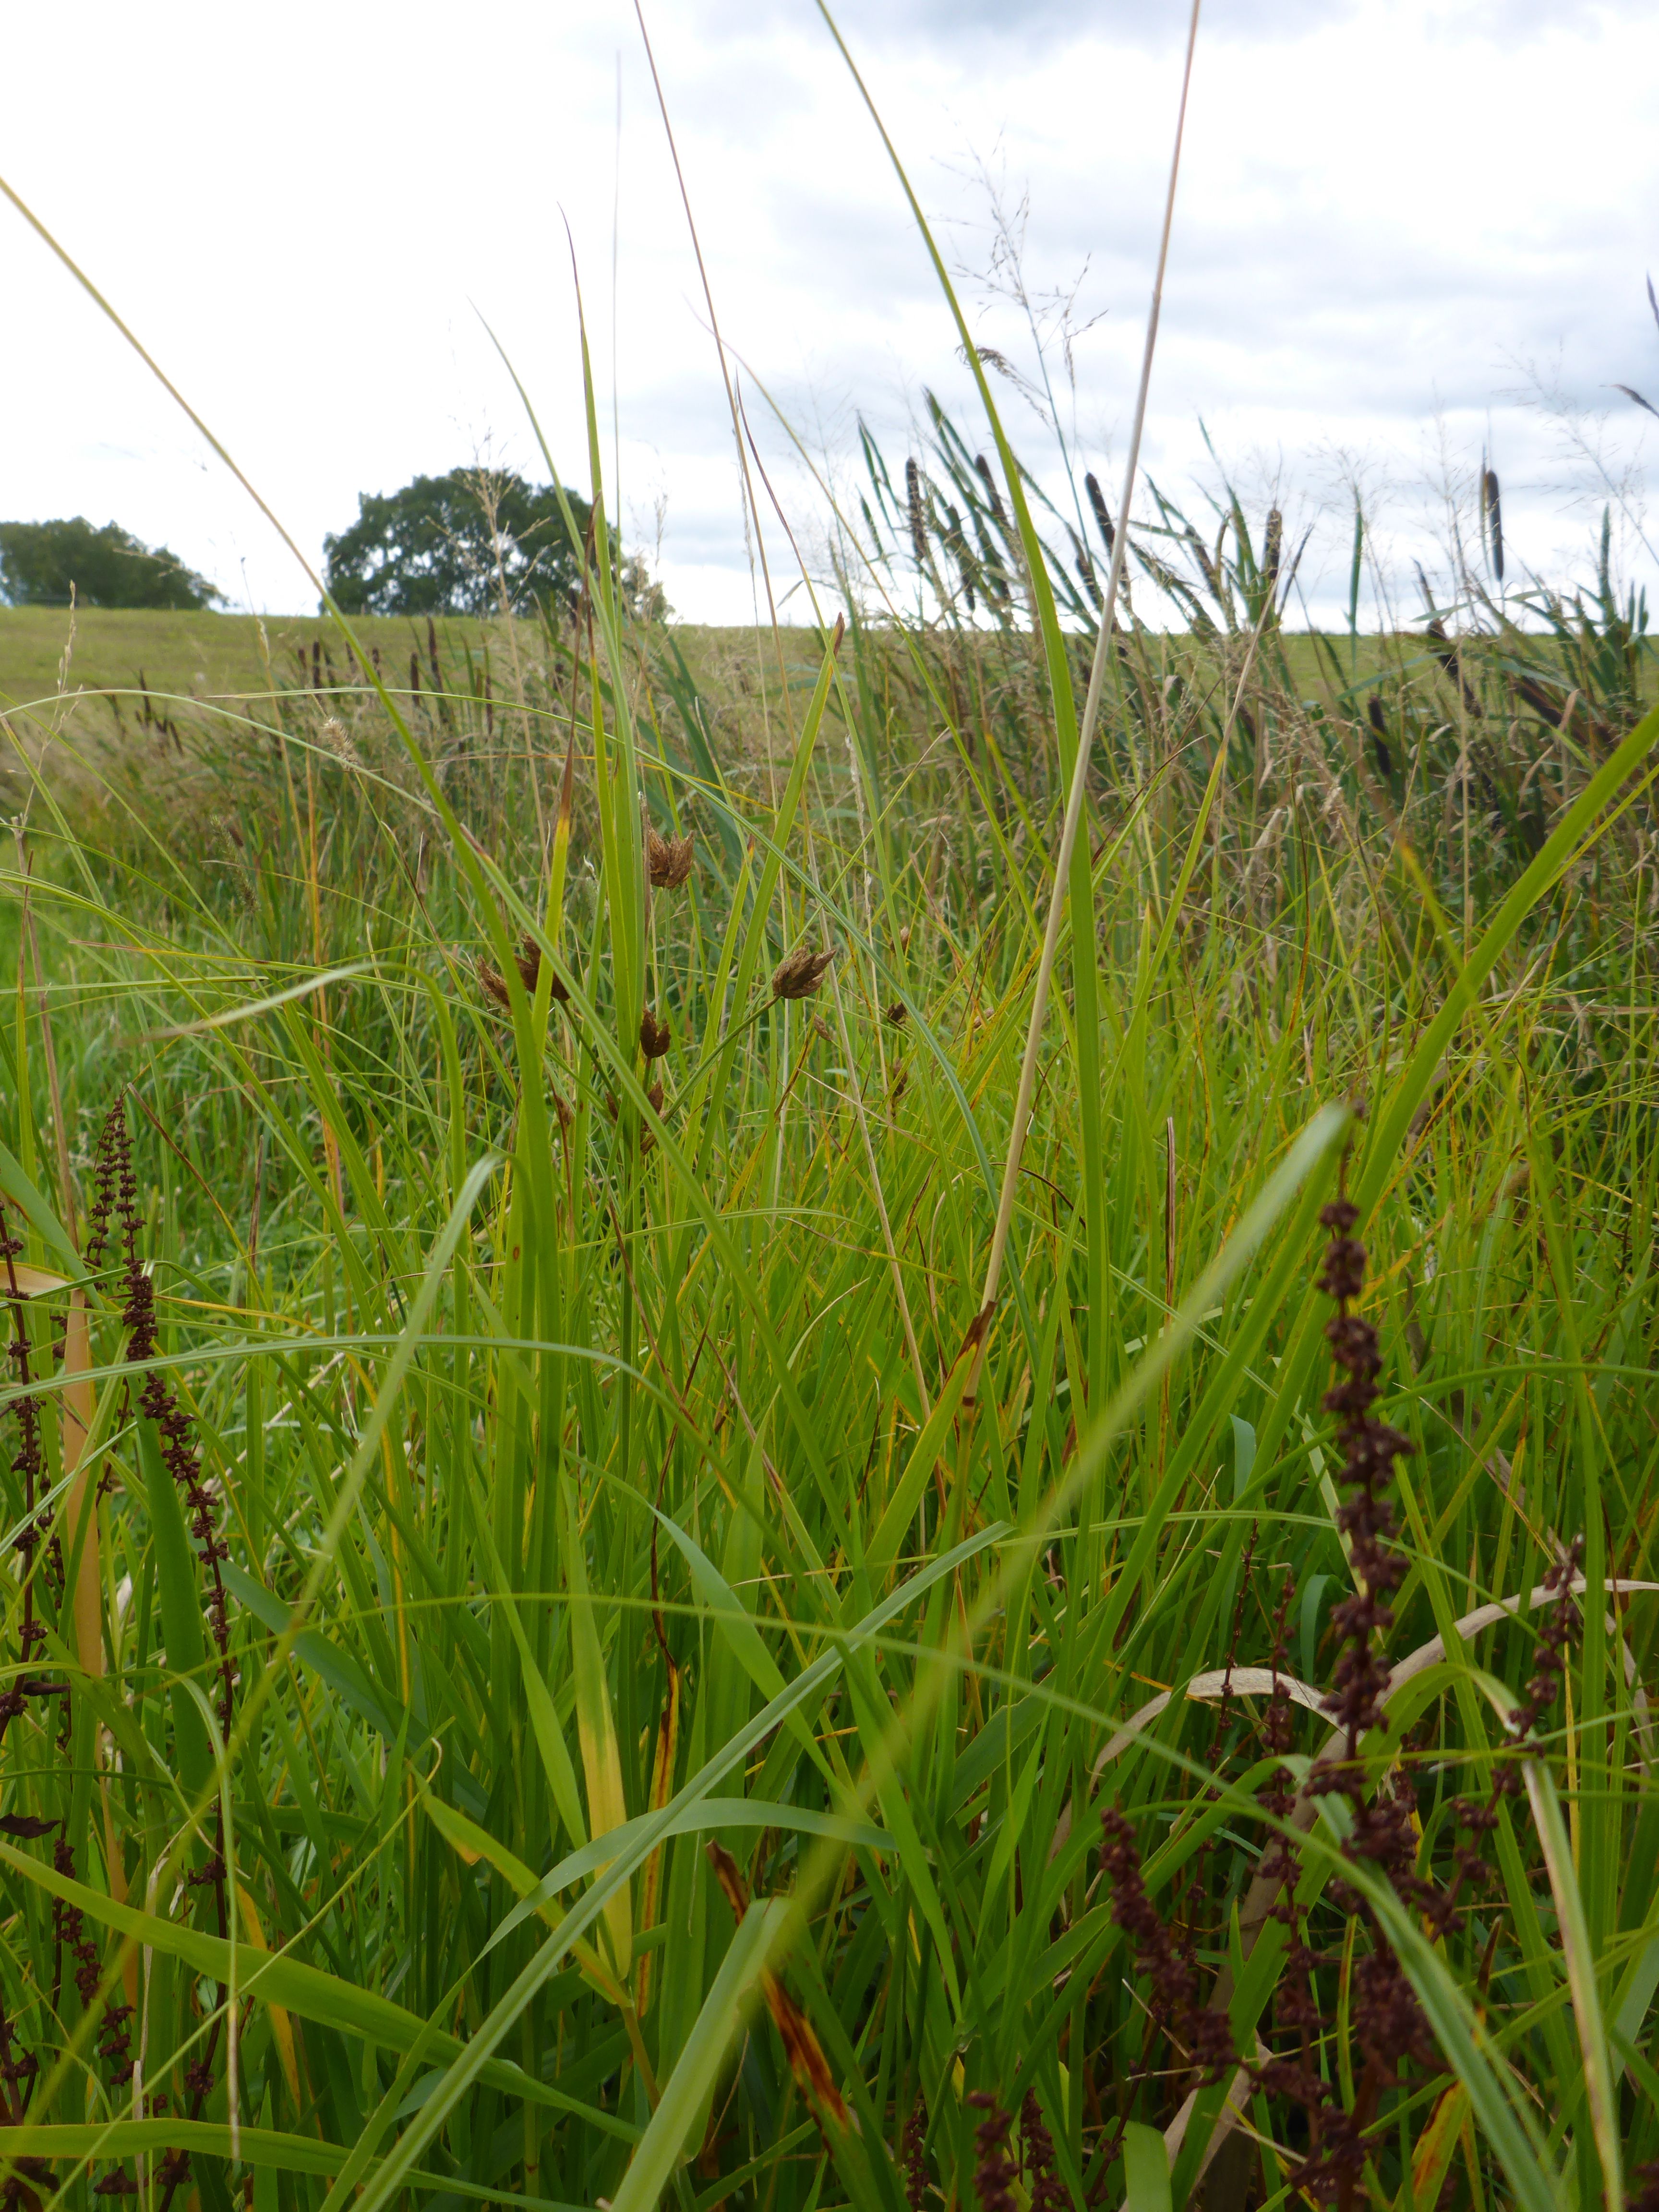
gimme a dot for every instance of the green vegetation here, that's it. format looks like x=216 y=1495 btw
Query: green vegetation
x=46 y=563
x=475 y=542
x=555 y=1650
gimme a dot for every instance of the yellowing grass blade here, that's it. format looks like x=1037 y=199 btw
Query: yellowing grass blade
x=471 y=1842
x=280 y=2025
x=1436 y=2147
x=662 y=1789
x=607 y=1807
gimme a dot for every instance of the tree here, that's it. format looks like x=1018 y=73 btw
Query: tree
x=446 y=545
x=42 y=564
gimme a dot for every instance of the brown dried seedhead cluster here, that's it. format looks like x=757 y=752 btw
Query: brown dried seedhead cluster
x=1001 y=2181
x=994 y=2171
x=915 y=2158
x=527 y=959
x=28 y=1465
x=158 y=1401
x=801 y=974
x=1175 y=2009
x=667 y=860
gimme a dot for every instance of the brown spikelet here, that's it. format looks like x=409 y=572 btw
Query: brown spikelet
x=654 y=1035
x=805 y=2054
x=1273 y=548
x=527 y=959
x=800 y=976
x=667 y=860
x=729 y=1874
x=917 y=513
x=654 y=1094
x=1379 y=722
x=647 y=1137
x=1102 y=515
x=896 y=1013
x=995 y=496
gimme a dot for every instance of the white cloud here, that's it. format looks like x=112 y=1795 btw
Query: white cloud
x=1387 y=208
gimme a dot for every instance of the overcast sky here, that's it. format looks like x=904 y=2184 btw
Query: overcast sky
x=1405 y=231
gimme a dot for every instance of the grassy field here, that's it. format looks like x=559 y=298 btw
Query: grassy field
x=671 y=1690
x=672 y=1538
x=207 y=656
x=185 y=660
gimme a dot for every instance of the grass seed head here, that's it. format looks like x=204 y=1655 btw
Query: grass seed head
x=654 y=1035
x=338 y=741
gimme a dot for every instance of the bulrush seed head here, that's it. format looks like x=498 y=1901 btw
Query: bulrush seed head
x=654 y=1094
x=529 y=958
x=492 y=984
x=653 y=1036
x=667 y=859
x=801 y=975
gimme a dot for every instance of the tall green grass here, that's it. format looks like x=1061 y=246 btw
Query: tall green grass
x=674 y=1712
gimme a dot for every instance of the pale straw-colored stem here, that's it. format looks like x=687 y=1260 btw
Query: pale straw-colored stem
x=1075 y=796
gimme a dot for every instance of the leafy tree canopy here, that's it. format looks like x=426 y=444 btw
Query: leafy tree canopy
x=40 y=562
x=446 y=545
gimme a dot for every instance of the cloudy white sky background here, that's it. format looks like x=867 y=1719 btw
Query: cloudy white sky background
x=1405 y=231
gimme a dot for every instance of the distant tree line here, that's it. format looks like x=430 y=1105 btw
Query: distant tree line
x=469 y=543
x=473 y=542
x=44 y=564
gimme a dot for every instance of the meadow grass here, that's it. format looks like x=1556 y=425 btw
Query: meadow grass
x=554 y=1652
x=592 y=1462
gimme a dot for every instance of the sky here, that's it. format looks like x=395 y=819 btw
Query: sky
x=1408 y=232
